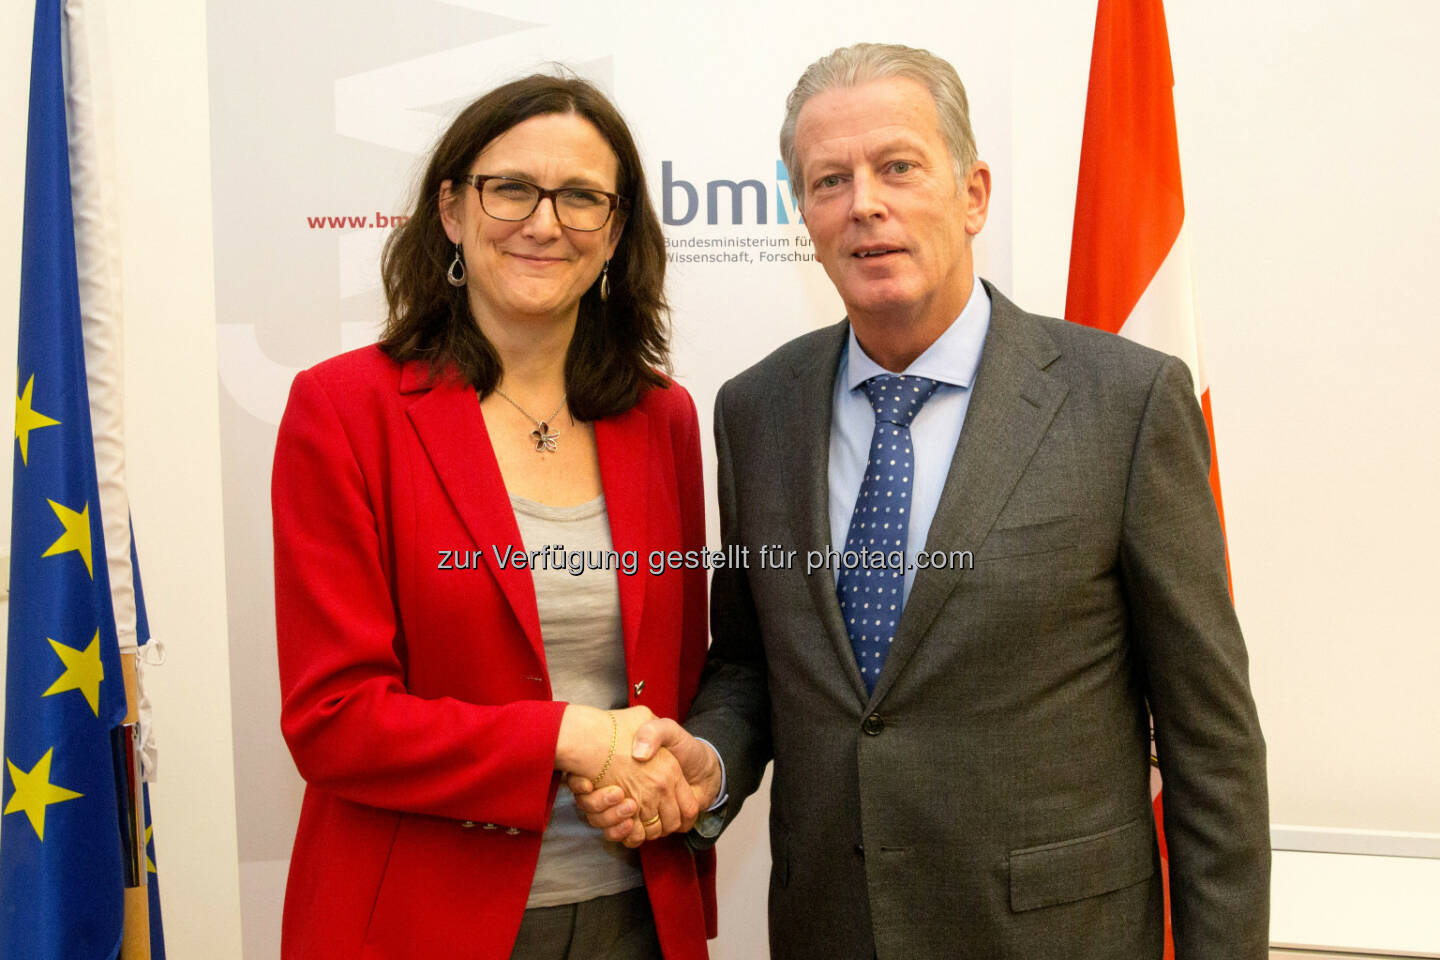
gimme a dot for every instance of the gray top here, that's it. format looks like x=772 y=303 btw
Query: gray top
x=585 y=654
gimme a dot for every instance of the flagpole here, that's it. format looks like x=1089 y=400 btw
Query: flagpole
x=136 y=942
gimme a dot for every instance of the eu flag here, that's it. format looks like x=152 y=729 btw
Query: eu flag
x=61 y=864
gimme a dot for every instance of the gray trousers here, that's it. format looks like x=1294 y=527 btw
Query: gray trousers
x=617 y=927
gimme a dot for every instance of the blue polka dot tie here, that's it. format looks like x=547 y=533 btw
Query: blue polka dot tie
x=872 y=594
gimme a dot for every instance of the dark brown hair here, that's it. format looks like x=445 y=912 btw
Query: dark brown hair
x=618 y=344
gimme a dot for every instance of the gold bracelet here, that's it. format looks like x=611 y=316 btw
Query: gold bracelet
x=614 y=730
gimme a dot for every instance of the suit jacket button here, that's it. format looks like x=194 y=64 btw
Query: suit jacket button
x=873 y=725
x=860 y=849
x=468 y=824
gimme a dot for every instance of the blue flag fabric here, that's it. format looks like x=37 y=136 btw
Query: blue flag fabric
x=61 y=867
x=157 y=928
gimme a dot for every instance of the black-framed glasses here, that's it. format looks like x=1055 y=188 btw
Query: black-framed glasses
x=579 y=208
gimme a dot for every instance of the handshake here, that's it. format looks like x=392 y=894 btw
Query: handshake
x=635 y=776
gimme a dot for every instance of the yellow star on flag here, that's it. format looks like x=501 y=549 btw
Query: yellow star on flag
x=83 y=672
x=27 y=418
x=76 y=536
x=34 y=792
x=149 y=864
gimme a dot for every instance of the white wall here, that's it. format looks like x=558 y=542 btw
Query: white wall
x=1306 y=131
x=161 y=114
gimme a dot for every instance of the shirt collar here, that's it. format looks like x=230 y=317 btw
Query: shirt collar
x=953 y=358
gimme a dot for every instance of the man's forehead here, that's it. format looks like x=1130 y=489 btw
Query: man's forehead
x=887 y=102
x=876 y=141
x=875 y=115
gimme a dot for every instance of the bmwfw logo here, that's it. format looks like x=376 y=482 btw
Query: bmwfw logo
x=732 y=202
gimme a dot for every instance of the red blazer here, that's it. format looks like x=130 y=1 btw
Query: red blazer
x=416 y=700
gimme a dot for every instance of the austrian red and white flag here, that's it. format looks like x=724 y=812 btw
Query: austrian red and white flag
x=1130 y=256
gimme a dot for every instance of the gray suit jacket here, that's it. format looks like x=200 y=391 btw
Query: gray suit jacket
x=991 y=799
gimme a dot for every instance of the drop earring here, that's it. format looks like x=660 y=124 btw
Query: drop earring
x=605 y=282
x=456 y=274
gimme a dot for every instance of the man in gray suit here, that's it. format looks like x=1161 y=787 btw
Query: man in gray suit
x=960 y=732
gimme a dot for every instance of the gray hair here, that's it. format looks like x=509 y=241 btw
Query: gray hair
x=864 y=62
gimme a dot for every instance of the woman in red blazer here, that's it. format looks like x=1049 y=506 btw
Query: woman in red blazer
x=417 y=666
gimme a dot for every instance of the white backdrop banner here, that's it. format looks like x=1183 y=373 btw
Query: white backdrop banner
x=321 y=116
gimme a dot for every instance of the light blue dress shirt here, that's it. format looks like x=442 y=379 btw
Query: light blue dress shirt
x=952 y=360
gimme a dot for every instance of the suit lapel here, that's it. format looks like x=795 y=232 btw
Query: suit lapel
x=623 y=443
x=1014 y=402
x=805 y=414
x=452 y=431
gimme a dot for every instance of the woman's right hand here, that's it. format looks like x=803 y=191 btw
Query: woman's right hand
x=589 y=744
